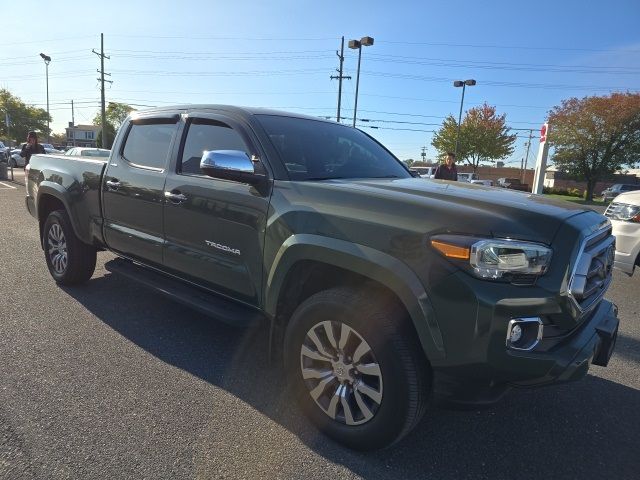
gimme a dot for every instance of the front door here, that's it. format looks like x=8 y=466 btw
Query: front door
x=133 y=189
x=214 y=229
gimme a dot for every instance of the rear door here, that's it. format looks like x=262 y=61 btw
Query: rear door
x=214 y=229
x=133 y=188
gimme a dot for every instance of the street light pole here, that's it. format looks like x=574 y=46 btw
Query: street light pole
x=47 y=59
x=355 y=106
x=353 y=44
x=463 y=84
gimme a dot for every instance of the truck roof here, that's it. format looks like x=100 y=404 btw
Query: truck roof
x=232 y=109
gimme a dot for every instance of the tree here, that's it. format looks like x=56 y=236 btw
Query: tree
x=59 y=138
x=22 y=118
x=116 y=113
x=593 y=137
x=483 y=136
x=444 y=140
x=409 y=161
x=111 y=135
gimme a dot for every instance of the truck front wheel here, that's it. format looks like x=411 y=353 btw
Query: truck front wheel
x=69 y=259
x=355 y=368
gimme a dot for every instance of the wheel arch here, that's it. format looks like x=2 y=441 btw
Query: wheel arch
x=51 y=197
x=308 y=263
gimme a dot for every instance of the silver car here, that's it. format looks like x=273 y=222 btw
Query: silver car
x=15 y=160
x=615 y=190
x=87 y=152
x=624 y=213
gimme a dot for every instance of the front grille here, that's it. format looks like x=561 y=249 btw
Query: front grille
x=593 y=271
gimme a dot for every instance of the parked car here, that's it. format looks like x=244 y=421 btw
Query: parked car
x=87 y=152
x=624 y=213
x=378 y=289
x=467 y=177
x=4 y=152
x=16 y=160
x=616 y=189
x=486 y=183
x=513 y=184
x=425 y=172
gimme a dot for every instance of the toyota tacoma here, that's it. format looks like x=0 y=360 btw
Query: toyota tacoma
x=380 y=290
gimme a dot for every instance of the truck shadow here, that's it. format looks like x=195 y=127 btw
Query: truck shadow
x=628 y=348
x=587 y=429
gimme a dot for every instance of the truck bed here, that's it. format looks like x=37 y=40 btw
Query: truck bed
x=77 y=181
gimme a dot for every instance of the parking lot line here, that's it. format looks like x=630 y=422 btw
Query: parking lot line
x=6 y=185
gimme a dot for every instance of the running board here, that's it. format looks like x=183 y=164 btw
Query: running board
x=206 y=303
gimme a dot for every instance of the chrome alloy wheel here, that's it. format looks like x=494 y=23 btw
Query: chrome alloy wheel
x=57 y=248
x=341 y=373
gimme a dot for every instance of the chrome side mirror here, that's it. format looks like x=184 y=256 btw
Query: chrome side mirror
x=232 y=165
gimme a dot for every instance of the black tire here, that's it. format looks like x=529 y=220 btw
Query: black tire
x=70 y=260
x=405 y=376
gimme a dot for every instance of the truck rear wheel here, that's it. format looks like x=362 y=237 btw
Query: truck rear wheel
x=69 y=259
x=355 y=367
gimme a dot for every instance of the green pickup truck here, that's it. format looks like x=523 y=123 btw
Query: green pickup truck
x=380 y=290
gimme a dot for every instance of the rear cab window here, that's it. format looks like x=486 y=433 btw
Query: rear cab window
x=148 y=143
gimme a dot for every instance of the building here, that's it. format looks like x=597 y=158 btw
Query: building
x=82 y=135
x=561 y=181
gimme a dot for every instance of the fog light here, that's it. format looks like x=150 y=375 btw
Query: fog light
x=524 y=333
x=516 y=333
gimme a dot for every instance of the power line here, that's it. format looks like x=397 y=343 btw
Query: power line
x=198 y=37
x=495 y=83
x=511 y=47
x=48 y=40
x=415 y=99
x=610 y=70
x=436 y=116
x=57 y=54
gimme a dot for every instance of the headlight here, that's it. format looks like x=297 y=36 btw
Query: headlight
x=494 y=258
x=623 y=211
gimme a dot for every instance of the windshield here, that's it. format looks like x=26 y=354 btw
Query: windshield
x=317 y=150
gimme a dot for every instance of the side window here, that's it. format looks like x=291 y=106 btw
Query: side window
x=147 y=144
x=204 y=135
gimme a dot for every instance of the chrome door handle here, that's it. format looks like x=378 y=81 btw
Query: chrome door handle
x=113 y=184
x=175 y=197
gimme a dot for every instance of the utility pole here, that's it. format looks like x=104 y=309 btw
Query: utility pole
x=340 y=77
x=526 y=158
x=102 y=80
x=73 y=124
x=424 y=154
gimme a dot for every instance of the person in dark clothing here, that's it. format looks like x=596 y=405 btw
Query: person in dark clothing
x=31 y=147
x=447 y=170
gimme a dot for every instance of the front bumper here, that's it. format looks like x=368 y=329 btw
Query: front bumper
x=567 y=360
x=570 y=359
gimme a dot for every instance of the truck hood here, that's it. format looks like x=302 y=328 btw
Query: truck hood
x=433 y=206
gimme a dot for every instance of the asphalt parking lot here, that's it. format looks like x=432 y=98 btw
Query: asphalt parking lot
x=110 y=381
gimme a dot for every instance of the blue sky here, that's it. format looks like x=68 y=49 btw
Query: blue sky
x=525 y=56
